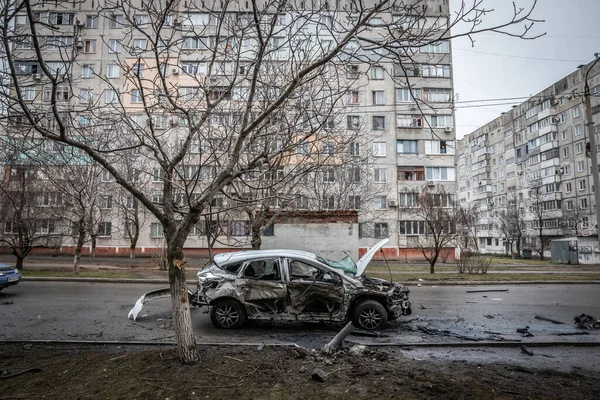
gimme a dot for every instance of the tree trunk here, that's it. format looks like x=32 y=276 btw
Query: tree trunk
x=186 y=341
x=78 y=250
x=132 y=251
x=432 y=262
x=19 y=265
x=256 y=239
x=93 y=249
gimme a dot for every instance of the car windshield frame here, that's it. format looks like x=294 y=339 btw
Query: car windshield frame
x=342 y=265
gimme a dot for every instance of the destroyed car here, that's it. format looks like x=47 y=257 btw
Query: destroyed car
x=294 y=286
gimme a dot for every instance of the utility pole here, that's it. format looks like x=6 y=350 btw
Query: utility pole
x=593 y=149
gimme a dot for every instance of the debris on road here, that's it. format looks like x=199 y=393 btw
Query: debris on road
x=319 y=375
x=487 y=290
x=525 y=350
x=357 y=350
x=587 y=322
x=489 y=316
x=339 y=338
x=6 y=303
x=541 y=317
x=525 y=332
x=422 y=306
x=6 y=374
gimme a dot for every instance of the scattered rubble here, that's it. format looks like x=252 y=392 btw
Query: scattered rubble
x=487 y=290
x=587 y=322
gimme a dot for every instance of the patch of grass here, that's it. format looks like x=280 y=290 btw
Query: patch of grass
x=114 y=274
x=450 y=277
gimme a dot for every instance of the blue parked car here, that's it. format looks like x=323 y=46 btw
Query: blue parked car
x=9 y=276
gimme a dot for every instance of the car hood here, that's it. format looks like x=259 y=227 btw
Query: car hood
x=361 y=264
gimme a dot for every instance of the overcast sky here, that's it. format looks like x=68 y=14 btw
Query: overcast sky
x=520 y=68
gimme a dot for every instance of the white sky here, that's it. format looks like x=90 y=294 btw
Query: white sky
x=522 y=67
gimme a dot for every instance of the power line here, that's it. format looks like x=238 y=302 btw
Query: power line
x=523 y=57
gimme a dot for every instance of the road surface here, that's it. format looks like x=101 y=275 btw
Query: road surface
x=98 y=312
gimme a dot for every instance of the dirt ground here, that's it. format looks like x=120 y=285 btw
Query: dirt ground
x=127 y=372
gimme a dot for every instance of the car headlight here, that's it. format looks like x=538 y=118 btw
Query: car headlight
x=16 y=271
x=1 y=273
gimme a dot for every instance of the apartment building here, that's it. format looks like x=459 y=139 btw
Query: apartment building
x=534 y=160
x=399 y=109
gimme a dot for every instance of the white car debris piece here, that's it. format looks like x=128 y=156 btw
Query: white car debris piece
x=146 y=297
x=293 y=286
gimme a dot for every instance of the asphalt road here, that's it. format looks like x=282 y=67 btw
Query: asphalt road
x=98 y=312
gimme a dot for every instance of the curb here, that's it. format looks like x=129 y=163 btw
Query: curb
x=291 y=344
x=410 y=284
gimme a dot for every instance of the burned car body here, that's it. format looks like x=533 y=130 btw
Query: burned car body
x=289 y=285
x=292 y=286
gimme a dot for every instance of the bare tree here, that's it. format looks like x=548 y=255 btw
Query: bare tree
x=512 y=223
x=31 y=212
x=467 y=220
x=234 y=72
x=437 y=218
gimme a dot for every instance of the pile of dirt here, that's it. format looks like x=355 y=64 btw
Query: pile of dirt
x=127 y=372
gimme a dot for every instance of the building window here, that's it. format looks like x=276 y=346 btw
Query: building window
x=568 y=187
x=582 y=185
x=380 y=175
x=565 y=152
x=139 y=45
x=381 y=230
x=28 y=93
x=378 y=123
x=409 y=200
x=583 y=203
x=91 y=21
x=439 y=47
x=89 y=46
x=377 y=73
x=114 y=46
x=353 y=97
x=354 y=149
x=407 y=95
x=113 y=71
x=136 y=96
x=354 y=202
x=329 y=175
x=104 y=229
x=328 y=202
x=352 y=71
x=106 y=202
x=436 y=71
x=112 y=96
x=140 y=20
x=380 y=202
x=116 y=22
x=440 y=174
x=378 y=97
x=411 y=227
x=411 y=173
x=353 y=122
x=580 y=166
x=328 y=148
x=156 y=230
x=239 y=228
x=406 y=146
x=379 y=149
x=576 y=112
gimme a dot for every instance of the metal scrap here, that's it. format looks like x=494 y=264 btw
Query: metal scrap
x=487 y=290
x=525 y=332
x=541 y=317
x=525 y=350
x=587 y=322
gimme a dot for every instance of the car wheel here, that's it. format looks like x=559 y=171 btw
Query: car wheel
x=228 y=314
x=370 y=315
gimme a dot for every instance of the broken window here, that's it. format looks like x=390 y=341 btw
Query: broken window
x=267 y=269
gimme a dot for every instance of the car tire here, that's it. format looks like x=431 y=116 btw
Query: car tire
x=369 y=315
x=227 y=314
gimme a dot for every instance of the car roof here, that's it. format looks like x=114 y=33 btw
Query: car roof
x=240 y=256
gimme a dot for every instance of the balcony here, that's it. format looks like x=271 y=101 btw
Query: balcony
x=550 y=145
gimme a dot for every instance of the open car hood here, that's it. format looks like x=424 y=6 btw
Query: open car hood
x=361 y=264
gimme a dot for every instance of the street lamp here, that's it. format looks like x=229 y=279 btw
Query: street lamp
x=593 y=149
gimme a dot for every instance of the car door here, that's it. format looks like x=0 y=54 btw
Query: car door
x=315 y=292
x=261 y=287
